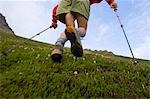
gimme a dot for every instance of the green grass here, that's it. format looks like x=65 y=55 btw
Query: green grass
x=28 y=72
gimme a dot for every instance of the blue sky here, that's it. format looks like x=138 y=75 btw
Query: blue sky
x=28 y=17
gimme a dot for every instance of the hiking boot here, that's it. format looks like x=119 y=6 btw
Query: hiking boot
x=73 y=36
x=57 y=53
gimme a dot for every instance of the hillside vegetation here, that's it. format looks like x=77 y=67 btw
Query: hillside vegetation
x=28 y=72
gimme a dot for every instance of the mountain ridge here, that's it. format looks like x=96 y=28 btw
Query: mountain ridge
x=4 y=27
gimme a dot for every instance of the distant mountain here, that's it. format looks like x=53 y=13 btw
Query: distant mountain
x=4 y=27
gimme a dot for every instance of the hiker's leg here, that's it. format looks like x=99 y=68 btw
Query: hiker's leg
x=82 y=25
x=69 y=21
x=57 y=52
x=73 y=36
x=69 y=18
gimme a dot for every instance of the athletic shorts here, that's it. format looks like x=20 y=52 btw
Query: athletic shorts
x=68 y=6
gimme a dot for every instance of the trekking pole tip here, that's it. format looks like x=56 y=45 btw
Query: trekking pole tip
x=135 y=62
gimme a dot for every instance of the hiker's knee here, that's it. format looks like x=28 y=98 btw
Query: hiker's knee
x=81 y=31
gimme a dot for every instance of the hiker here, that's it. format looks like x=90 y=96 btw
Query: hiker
x=67 y=11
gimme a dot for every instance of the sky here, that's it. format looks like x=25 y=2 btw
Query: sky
x=28 y=17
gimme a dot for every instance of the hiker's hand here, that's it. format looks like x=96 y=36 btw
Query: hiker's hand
x=53 y=25
x=113 y=5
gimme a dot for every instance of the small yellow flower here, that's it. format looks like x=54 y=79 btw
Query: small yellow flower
x=83 y=58
x=95 y=62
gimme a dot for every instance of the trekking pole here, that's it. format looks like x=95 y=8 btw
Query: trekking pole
x=7 y=51
x=39 y=33
x=134 y=61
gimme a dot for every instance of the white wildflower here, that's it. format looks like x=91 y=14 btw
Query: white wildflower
x=25 y=48
x=97 y=69
x=20 y=73
x=87 y=73
x=13 y=51
x=47 y=58
x=83 y=58
x=75 y=72
x=95 y=62
x=75 y=58
x=49 y=55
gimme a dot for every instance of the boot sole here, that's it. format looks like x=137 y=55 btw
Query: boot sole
x=76 y=48
x=56 y=57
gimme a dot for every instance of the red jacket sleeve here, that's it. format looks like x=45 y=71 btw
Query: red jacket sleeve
x=109 y=1
x=95 y=1
x=54 y=18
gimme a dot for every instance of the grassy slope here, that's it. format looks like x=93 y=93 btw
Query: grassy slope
x=29 y=72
